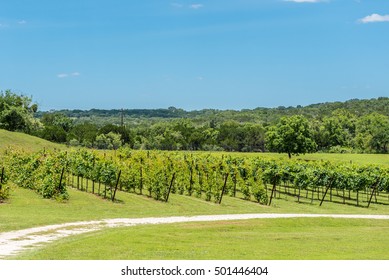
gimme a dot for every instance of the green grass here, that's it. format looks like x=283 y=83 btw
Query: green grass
x=25 y=142
x=361 y=159
x=275 y=239
x=26 y=209
x=379 y=159
x=255 y=239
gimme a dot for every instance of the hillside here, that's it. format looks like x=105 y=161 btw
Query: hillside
x=25 y=141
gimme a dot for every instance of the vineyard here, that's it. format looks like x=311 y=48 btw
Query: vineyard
x=4 y=189
x=157 y=174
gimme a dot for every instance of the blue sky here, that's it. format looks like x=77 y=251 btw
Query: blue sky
x=220 y=54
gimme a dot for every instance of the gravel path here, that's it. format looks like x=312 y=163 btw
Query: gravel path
x=14 y=242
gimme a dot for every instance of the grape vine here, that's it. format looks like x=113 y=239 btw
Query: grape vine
x=207 y=176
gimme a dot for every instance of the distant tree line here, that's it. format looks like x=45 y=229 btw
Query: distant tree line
x=340 y=132
x=329 y=127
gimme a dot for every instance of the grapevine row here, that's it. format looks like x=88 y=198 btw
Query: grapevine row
x=4 y=189
x=207 y=176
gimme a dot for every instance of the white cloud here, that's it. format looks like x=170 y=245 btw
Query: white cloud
x=305 y=1
x=66 y=75
x=22 y=22
x=196 y=6
x=375 y=18
x=191 y=6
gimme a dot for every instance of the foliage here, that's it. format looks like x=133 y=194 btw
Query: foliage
x=4 y=187
x=207 y=176
x=40 y=171
x=111 y=141
x=16 y=112
x=291 y=135
x=373 y=133
x=351 y=126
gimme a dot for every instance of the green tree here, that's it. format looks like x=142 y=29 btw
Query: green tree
x=57 y=119
x=253 y=138
x=373 y=133
x=292 y=135
x=230 y=136
x=53 y=133
x=109 y=141
x=56 y=127
x=16 y=112
x=330 y=133
x=84 y=133
x=122 y=131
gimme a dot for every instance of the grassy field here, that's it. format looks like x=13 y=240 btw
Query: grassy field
x=379 y=159
x=25 y=142
x=26 y=209
x=300 y=238
x=256 y=239
x=352 y=158
x=275 y=239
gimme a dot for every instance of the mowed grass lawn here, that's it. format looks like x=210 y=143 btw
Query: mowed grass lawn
x=273 y=239
x=26 y=209
x=297 y=238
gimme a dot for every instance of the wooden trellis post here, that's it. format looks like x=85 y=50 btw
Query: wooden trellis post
x=2 y=177
x=325 y=193
x=373 y=191
x=116 y=187
x=273 y=190
x=224 y=188
x=170 y=187
x=60 y=180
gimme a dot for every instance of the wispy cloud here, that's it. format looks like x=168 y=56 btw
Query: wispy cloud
x=182 y=6
x=12 y=24
x=306 y=1
x=374 y=18
x=66 y=75
x=196 y=6
x=176 y=5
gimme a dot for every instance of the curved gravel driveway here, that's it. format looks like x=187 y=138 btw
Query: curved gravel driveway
x=14 y=242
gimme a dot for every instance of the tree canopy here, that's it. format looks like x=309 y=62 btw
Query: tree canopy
x=292 y=135
x=16 y=112
x=353 y=126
